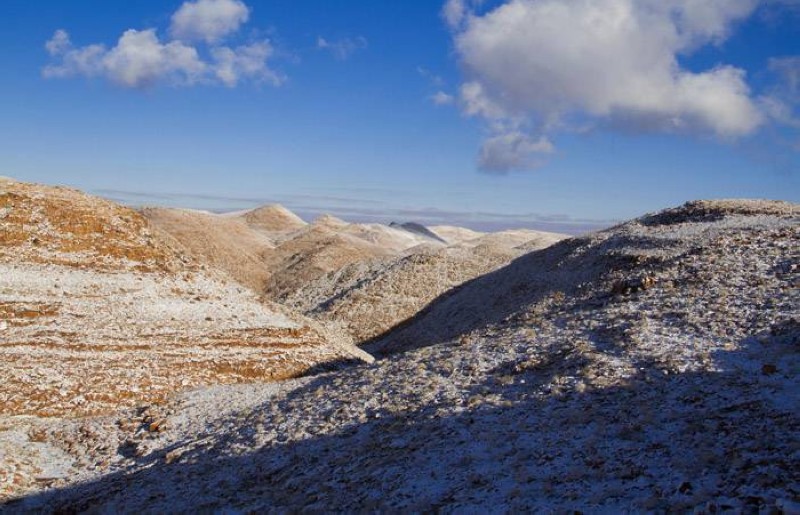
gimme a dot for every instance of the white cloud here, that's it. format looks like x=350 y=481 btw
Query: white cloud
x=208 y=20
x=476 y=102
x=513 y=150
x=140 y=59
x=342 y=49
x=456 y=12
x=245 y=62
x=73 y=61
x=440 y=98
x=59 y=43
x=781 y=102
x=547 y=64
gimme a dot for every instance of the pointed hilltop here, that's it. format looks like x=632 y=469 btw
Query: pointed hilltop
x=330 y=222
x=227 y=243
x=418 y=229
x=273 y=218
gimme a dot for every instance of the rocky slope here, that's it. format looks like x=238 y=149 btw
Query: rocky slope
x=312 y=254
x=611 y=256
x=272 y=251
x=98 y=313
x=651 y=367
x=226 y=243
x=361 y=278
x=367 y=299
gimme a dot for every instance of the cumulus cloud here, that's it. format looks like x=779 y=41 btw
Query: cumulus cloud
x=208 y=20
x=140 y=59
x=456 y=12
x=342 y=49
x=72 y=61
x=245 y=62
x=540 y=66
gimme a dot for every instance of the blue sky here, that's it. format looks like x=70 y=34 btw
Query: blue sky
x=487 y=114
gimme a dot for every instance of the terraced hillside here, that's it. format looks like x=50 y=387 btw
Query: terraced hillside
x=99 y=312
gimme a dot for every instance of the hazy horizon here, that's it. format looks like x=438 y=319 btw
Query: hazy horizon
x=309 y=207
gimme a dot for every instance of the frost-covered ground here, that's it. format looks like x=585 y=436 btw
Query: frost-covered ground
x=97 y=313
x=650 y=367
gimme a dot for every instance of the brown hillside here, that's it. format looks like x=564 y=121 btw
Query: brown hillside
x=311 y=254
x=270 y=252
x=274 y=218
x=62 y=226
x=227 y=243
x=368 y=299
x=98 y=312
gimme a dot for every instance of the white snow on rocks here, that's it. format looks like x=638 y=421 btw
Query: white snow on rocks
x=652 y=367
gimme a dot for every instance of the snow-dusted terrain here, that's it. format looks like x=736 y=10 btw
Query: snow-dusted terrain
x=97 y=313
x=651 y=367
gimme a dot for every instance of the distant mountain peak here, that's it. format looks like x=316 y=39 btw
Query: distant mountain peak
x=419 y=229
x=273 y=217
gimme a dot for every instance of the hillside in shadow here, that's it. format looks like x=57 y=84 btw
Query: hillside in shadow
x=681 y=251
x=659 y=440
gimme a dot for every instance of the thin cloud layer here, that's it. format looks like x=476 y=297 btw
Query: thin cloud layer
x=788 y=71
x=140 y=59
x=342 y=49
x=783 y=101
x=537 y=67
x=440 y=98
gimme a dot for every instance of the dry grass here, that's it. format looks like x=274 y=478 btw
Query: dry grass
x=25 y=313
